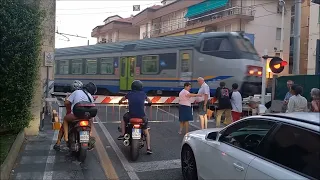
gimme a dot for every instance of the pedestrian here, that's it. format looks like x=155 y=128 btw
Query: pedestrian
x=297 y=103
x=224 y=104
x=185 y=110
x=258 y=108
x=203 y=100
x=288 y=95
x=236 y=102
x=315 y=103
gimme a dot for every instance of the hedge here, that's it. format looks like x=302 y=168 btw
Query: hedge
x=20 y=38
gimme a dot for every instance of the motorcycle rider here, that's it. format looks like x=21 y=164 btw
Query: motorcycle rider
x=136 y=99
x=76 y=85
x=78 y=96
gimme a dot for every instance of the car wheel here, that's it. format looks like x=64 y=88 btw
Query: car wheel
x=188 y=164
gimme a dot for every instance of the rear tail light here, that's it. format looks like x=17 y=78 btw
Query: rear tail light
x=136 y=126
x=254 y=71
x=84 y=123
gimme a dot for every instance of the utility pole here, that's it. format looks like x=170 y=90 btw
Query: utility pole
x=296 y=31
x=282 y=4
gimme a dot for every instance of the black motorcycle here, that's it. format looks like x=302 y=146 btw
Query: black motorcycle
x=79 y=130
x=134 y=136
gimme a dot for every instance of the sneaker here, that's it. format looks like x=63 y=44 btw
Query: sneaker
x=91 y=143
x=56 y=147
x=149 y=151
x=121 y=137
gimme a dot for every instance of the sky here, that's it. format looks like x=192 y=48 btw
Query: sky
x=79 y=17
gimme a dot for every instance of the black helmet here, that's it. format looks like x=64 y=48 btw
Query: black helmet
x=136 y=85
x=91 y=88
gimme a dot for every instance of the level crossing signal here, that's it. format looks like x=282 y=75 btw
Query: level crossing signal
x=277 y=65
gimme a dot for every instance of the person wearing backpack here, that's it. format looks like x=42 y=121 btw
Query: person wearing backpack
x=224 y=104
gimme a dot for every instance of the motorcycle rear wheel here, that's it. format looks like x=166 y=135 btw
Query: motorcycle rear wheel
x=134 y=149
x=82 y=154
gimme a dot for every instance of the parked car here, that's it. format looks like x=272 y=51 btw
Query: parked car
x=270 y=146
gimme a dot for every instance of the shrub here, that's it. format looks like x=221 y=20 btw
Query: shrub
x=20 y=38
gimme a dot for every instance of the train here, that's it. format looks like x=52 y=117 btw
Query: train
x=163 y=64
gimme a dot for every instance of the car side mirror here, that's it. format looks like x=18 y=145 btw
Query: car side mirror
x=213 y=136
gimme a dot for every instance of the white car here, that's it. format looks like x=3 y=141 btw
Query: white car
x=271 y=146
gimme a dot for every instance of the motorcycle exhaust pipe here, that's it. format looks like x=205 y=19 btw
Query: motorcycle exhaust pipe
x=126 y=142
x=127 y=136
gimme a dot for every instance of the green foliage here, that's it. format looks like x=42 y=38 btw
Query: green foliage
x=20 y=38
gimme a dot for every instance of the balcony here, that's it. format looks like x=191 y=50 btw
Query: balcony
x=179 y=25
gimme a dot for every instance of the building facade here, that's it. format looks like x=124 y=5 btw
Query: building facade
x=314 y=38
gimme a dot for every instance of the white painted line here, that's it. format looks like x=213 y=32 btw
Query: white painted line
x=33 y=147
x=50 y=159
x=122 y=158
x=29 y=175
x=37 y=159
x=191 y=124
x=156 y=165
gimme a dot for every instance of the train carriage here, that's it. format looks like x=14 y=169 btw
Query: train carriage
x=163 y=64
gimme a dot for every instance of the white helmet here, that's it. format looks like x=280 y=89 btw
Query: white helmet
x=76 y=85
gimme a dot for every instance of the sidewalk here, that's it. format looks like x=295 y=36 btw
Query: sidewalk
x=38 y=160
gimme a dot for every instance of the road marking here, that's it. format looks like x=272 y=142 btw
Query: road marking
x=123 y=160
x=156 y=165
x=191 y=124
x=50 y=159
x=105 y=160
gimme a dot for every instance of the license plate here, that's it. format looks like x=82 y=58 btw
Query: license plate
x=84 y=136
x=136 y=133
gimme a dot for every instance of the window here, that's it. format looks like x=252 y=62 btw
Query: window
x=91 y=67
x=55 y=68
x=216 y=44
x=64 y=67
x=185 y=60
x=297 y=149
x=278 y=34
x=245 y=45
x=319 y=16
x=227 y=28
x=77 y=66
x=150 y=64
x=247 y=134
x=106 y=66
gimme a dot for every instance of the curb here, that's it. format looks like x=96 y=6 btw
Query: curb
x=8 y=163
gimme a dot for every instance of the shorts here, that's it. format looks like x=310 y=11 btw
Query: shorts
x=236 y=116
x=201 y=108
x=126 y=119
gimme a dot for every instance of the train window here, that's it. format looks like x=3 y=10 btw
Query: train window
x=216 y=44
x=64 y=67
x=55 y=68
x=77 y=66
x=106 y=66
x=150 y=64
x=245 y=45
x=185 y=60
x=91 y=67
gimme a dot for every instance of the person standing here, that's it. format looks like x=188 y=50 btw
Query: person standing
x=185 y=110
x=288 y=95
x=236 y=102
x=315 y=103
x=204 y=91
x=224 y=104
x=297 y=103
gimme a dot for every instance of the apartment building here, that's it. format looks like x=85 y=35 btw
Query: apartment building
x=313 y=62
x=115 y=29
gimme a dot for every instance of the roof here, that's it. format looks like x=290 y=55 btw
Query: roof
x=189 y=40
x=308 y=117
x=112 y=17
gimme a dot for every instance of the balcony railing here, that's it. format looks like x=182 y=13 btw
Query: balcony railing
x=176 y=24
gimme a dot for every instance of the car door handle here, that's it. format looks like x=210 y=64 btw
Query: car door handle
x=238 y=167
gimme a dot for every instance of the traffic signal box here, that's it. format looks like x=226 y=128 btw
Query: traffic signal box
x=277 y=65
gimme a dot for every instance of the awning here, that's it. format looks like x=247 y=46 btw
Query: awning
x=205 y=7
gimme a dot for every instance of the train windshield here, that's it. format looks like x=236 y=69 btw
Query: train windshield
x=245 y=45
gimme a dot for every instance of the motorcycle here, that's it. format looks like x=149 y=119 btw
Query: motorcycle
x=79 y=130
x=134 y=136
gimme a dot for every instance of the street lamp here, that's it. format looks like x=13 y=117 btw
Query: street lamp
x=282 y=5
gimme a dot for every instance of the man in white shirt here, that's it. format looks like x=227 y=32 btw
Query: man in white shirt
x=257 y=108
x=76 y=97
x=236 y=102
x=203 y=102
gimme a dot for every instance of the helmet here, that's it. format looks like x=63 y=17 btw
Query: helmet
x=136 y=85
x=91 y=88
x=76 y=85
